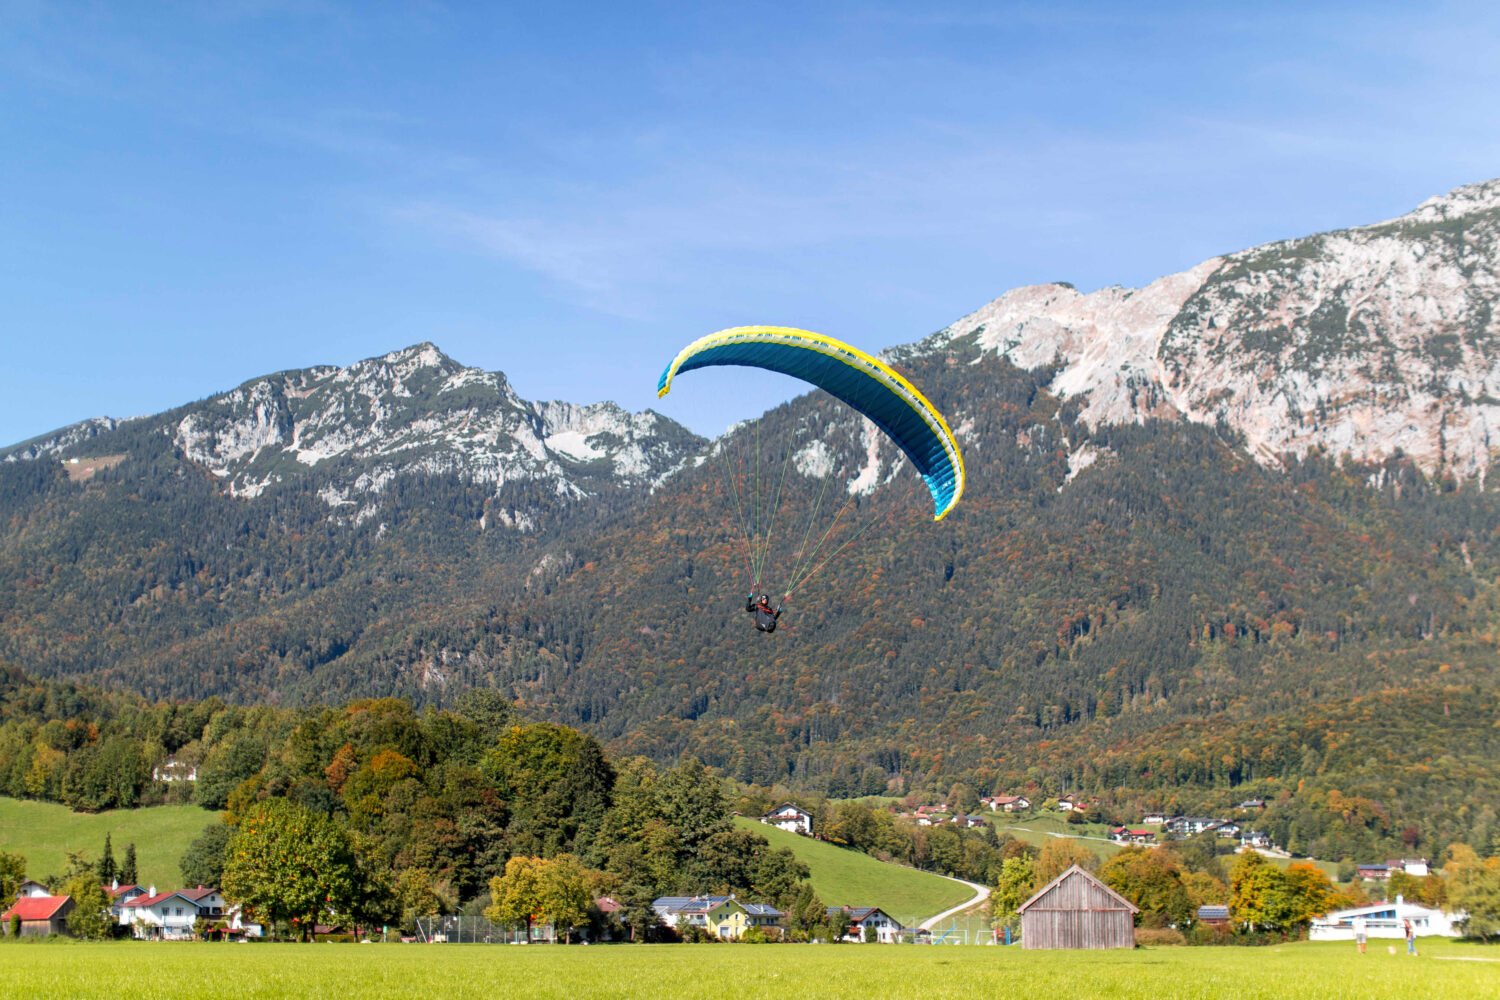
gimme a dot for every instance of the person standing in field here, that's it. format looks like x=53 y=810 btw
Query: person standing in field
x=1360 y=930
x=1411 y=937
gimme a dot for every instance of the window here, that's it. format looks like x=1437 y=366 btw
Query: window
x=179 y=911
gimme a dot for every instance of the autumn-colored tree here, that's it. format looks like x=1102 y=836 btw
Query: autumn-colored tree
x=1474 y=888
x=1150 y=879
x=345 y=762
x=1058 y=855
x=516 y=896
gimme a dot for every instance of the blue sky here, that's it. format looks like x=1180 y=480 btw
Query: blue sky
x=194 y=194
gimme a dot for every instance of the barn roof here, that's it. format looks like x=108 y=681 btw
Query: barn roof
x=1078 y=872
x=36 y=907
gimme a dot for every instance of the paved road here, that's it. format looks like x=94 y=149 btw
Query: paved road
x=981 y=893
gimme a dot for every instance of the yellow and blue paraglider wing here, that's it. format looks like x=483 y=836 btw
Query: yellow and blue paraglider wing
x=864 y=382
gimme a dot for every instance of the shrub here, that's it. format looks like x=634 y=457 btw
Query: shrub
x=1156 y=937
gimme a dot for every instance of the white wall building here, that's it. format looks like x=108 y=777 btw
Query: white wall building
x=1384 y=920
x=789 y=817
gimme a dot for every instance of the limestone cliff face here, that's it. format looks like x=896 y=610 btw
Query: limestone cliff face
x=411 y=411
x=1363 y=341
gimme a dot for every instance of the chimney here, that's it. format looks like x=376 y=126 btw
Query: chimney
x=152 y=890
x=114 y=883
x=1399 y=900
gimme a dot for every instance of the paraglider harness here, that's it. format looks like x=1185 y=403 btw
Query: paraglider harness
x=765 y=618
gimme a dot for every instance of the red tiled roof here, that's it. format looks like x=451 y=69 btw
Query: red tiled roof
x=35 y=907
x=149 y=901
x=198 y=893
x=123 y=889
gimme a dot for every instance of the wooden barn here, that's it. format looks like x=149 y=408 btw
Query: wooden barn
x=1076 y=910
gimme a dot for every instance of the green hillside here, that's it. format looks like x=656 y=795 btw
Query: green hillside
x=844 y=877
x=1040 y=829
x=44 y=832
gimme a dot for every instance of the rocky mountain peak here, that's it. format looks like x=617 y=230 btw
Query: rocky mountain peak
x=1363 y=341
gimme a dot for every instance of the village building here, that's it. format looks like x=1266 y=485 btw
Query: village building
x=1374 y=873
x=1007 y=803
x=1213 y=915
x=1416 y=867
x=1076 y=910
x=40 y=915
x=1187 y=826
x=1157 y=819
x=172 y=769
x=790 y=817
x=887 y=928
x=32 y=888
x=170 y=916
x=1250 y=804
x=1255 y=839
x=762 y=915
x=1386 y=920
x=1125 y=835
x=723 y=917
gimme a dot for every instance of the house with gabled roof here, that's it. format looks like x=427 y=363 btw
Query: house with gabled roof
x=1007 y=803
x=887 y=928
x=1077 y=910
x=30 y=887
x=40 y=915
x=1125 y=835
x=790 y=817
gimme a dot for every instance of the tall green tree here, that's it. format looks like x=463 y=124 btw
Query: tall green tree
x=203 y=861
x=288 y=864
x=516 y=896
x=90 y=915
x=105 y=868
x=128 y=873
x=12 y=874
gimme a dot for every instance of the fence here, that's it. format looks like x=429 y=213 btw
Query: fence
x=478 y=930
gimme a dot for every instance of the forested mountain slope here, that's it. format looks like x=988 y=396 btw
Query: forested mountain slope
x=1132 y=571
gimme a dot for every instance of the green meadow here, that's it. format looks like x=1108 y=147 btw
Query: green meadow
x=842 y=877
x=135 y=971
x=44 y=832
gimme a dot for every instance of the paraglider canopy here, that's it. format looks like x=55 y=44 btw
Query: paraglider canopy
x=864 y=382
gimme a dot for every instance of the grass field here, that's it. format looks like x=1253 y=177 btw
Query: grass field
x=843 y=877
x=43 y=833
x=135 y=971
x=1040 y=829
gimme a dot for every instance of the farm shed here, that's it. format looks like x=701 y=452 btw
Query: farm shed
x=1076 y=910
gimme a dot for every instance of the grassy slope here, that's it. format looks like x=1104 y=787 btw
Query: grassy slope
x=137 y=970
x=1040 y=829
x=44 y=832
x=844 y=877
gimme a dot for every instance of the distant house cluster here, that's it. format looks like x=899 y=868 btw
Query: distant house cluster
x=1416 y=867
x=729 y=919
x=941 y=815
x=168 y=916
x=1006 y=803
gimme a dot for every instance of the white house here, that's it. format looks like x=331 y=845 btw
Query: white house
x=173 y=769
x=1158 y=819
x=1007 y=803
x=170 y=915
x=789 y=817
x=1384 y=920
x=887 y=928
x=30 y=889
x=1412 y=866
